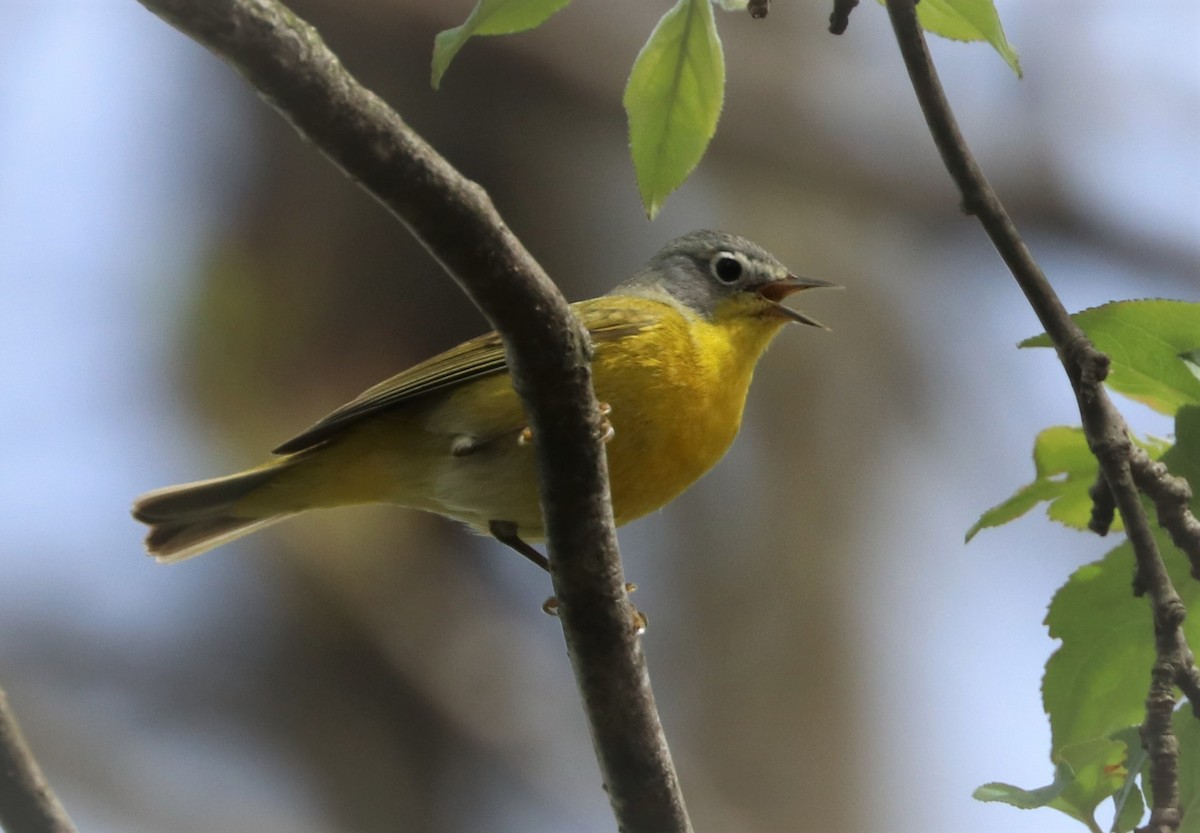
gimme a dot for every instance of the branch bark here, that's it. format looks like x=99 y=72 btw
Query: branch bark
x=1172 y=498
x=839 y=18
x=27 y=804
x=287 y=63
x=1105 y=428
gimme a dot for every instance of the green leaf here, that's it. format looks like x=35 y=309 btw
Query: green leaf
x=1129 y=809
x=1187 y=730
x=1027 y=799
x=1085 y=774
x=1096 y=682
x=1128 y=804
x=1100 y=772
x=1065 y=470
x=673 y=99
x=490 y=17
x=1191 y=359
x=1149 y=343
x=968 y=20
x=1183 y=458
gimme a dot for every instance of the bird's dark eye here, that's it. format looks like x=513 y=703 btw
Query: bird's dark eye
x=727 y=268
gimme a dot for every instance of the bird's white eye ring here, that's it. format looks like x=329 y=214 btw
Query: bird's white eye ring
x=726 y=267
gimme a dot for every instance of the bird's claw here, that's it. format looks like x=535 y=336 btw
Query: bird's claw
x=607 y=432
x=637 y=619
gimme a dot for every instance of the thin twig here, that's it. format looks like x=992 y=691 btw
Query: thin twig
x=1162 y=747
x=1104 y=508
x=1105 y=428
x=27 y=804
x=286 y=62
x=1172 y=498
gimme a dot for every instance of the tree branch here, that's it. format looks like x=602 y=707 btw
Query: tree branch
x=1104 y=507
x=1105 y=428
x=1172 y=498
x=289 y=66
x=839 y=18
x=27 y=804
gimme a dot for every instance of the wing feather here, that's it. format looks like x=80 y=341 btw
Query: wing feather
x=479 y=357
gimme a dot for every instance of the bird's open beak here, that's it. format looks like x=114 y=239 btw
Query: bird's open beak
x=776 y=291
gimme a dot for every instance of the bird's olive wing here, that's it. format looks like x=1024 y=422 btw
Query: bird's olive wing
x=473 y=359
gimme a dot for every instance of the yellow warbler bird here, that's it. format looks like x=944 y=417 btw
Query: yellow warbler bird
x=674 y=349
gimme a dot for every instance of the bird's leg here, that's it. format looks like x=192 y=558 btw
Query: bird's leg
x=506 y=533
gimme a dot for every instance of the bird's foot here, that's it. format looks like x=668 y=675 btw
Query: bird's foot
x=637 y=619
x=607 y=432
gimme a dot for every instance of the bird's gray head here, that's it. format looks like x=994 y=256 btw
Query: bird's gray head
x=705 y=268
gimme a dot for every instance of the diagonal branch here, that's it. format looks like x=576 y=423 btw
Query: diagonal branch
x=1105 y=428
x=1172 y=498
x=27 y=804
x=290 y=67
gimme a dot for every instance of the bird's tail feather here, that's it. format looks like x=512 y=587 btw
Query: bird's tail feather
x=195 y=517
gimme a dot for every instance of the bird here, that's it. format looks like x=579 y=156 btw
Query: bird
x=674 y=350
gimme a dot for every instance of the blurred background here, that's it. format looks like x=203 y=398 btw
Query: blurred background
x=186 y=284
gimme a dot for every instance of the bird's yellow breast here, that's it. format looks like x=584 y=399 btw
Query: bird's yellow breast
x=677 y=390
